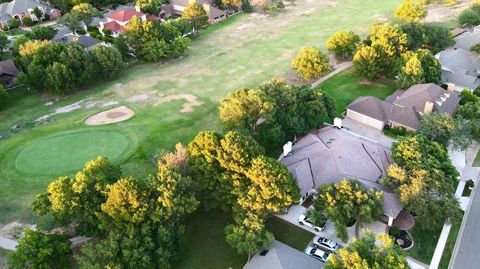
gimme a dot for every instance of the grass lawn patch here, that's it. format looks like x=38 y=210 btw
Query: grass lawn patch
x=476 y=162
x=424 y=243
x=345 y=87
x=288 y=233
x=448 y=250
x=204 y=245
x=69 y=152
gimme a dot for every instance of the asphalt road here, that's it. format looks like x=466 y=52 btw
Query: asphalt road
x=466 y=252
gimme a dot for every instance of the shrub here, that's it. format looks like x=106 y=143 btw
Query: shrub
x=475 y=48
x=81 y=31
x=27 y=21
x=107 y=31
x=14 y=23
x=470 y=17
x=92 y=29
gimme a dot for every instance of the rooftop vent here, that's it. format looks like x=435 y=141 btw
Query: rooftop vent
x=264 y=252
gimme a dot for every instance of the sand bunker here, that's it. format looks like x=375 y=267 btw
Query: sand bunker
x=113 y=115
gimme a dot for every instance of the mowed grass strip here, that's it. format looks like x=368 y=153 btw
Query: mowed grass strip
x=288 y=233
x=69 y=152
x=345 y=87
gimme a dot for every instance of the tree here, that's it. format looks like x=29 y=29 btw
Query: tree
x=366 y=62
x=437 y=127
x=4 y=96
x=389 y=39
x=85 y=12
x=78 y=200
x=248 y=235
x=424 y=178
x=30 y=48
x=276 y=112
x=38 y=13
x=311 y=63
x=411 y=73
x=196 y=14
x=152 y=7
x=71 y=21
x=120 y=44
x=343 y=43
x=427 y=35
x=272 y=187
x=410 y=11
x=41 y=33
x=470 y=17
x=3 y=41
x=233 y=4
x=347 y=200
x=109 y=60
x=39 y=250
x=365 y=252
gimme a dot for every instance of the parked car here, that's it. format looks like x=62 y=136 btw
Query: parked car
x=325 y=244
x=304 y=220
x=318 y=253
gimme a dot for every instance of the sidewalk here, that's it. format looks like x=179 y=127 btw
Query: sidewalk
x=8 y=244
x=338 y=68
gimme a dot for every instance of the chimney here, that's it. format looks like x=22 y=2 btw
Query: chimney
x=428 y=107
x=137 y=8
x=206 y=7
x=450 y=87
x=287 y=148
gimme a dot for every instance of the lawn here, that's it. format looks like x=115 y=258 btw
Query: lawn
x=204 y=245
x=289 y=234
x=346 y=87
x=476 y=162
x=424 y=242
x=448 y=250
x=240 y=52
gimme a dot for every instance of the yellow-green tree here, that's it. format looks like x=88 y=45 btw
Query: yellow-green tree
x=235 y=4
x=411 y=73
x=29 y=48
x=366 y=62
x=272 y=187
x=389 y=38
x=410 y=11
x=311 y=63
x=369 y=251
x=242 y=109
x=346 y=201
x=195 y=13
x=86 y=13
x=343 y=43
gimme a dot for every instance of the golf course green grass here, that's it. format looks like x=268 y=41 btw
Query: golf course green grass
x=69 y=152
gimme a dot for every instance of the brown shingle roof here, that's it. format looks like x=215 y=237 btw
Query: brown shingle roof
x=8 y=67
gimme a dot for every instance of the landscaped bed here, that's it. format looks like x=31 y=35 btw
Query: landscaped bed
x=402 y=238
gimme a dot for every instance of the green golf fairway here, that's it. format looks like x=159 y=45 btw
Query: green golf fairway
x=69 y=152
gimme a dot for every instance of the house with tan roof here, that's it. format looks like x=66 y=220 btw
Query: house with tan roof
x=20 y=9
x=329 y=155
x=404 y=107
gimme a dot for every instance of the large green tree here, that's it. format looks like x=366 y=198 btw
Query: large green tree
x=40 y=250
x=109 y=60
x=424 y=178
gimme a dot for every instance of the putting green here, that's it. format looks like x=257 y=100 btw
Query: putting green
x=69 y=152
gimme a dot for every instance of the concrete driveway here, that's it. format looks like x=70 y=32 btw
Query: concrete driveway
x=367 y=132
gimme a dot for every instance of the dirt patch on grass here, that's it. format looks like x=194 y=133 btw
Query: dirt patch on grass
x=191 y=101
x=113 y=115
x=14 y=230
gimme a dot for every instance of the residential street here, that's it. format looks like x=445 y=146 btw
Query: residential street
x=466 y=250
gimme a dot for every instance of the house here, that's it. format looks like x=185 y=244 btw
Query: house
x=176 y=7
x=281 y=256
x=329 y=155
x=467 y=39
x=460 y=68
x=8 y=73
x=89 y=43
x=404 y=107
x=116 y=21
x=20 y=9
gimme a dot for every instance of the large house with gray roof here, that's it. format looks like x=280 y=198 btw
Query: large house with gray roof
x=329 y=155
x=20 y=9
x=460 y=68
x=404 y=107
